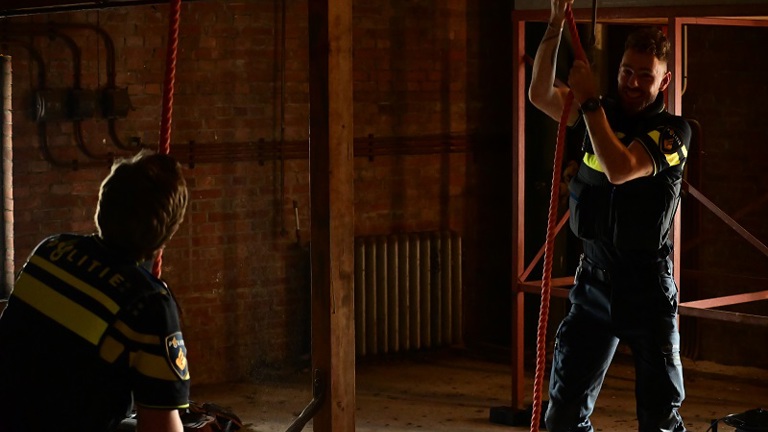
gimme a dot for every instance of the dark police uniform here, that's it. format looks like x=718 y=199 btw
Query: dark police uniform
x=86 y=333
x=624 y=289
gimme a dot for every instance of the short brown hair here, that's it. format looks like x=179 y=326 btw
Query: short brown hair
x=141 y=204
x=649 y=40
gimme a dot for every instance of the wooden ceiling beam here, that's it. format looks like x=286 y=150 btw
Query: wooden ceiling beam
x=656 y=14
x=9 y=8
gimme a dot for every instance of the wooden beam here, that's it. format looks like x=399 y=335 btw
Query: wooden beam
x=6 y=177
x=675 y=106
x=727 y=300
x=728 y=21
x=540 y=253
x=331 y=167
x=658 y=15
x=721 y=315
x=561 y=286
x=628 y=10
x=10 y=8
x=519 y=95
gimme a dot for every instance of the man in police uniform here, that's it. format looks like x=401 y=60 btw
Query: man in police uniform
x=622 y=203
x=88 y=332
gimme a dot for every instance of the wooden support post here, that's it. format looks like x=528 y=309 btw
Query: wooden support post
x=515 y=414
x=331 y=167
x=7 y=272
x=518 y=215
x=675 y=102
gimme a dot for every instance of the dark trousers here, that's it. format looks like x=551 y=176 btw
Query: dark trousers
x=637 y=307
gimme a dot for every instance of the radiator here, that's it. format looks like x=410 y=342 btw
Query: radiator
x=407 y=292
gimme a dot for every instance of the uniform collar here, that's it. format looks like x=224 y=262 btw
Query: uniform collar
x=656 y=107
x=112 y=251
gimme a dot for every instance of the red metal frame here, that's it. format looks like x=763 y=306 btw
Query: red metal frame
x=674 y=18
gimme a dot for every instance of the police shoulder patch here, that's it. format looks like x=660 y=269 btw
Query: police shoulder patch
x=669 y=140
x=176 y=354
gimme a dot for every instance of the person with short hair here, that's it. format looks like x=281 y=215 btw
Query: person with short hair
x=622 y=203
x=89 y=334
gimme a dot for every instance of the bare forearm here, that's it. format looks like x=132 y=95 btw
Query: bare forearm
x=156 y=420
x=619 y=162
x=543 y=77
x=543 y=93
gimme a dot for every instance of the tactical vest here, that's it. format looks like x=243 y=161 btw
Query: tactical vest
x=633 y=217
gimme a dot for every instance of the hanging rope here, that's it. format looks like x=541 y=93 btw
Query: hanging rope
x=546 y=283
x=164 y=145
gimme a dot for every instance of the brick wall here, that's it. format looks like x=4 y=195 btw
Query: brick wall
x=240 y=275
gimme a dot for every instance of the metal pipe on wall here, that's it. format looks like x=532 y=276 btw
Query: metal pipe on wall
x=6 y=177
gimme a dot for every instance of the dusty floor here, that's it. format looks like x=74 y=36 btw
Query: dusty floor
x=450 y=391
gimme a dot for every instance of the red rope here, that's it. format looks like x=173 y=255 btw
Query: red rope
x=164 y=145
x=170 y=76
x=546 y=282
x=579 y=50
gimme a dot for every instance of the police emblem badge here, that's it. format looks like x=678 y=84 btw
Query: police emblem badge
x=176 y=354
x=670 y=140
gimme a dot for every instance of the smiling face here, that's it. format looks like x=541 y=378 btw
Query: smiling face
x=641 y=77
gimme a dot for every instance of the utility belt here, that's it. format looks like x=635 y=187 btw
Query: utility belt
x=594 y=272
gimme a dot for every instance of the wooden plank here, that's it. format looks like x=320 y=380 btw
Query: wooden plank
x=727 y=300
x=730 y=22
x=654 y=15
x=556 y=291
x=534 y=286
x=720 y=315
x=675 y=106
x=33 y=7
x=540 y=253
x=332 y=212
x=732 y=4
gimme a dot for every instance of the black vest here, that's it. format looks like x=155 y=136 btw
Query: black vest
x=630 y=221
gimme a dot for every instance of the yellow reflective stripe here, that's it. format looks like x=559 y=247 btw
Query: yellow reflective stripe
x=111 y=349
x=61 y=309
x=591 y=161
x=677 y=157
x=76 y=283
x=672 y=159
x=136 y=336
x=655 y=135
x=153 y=366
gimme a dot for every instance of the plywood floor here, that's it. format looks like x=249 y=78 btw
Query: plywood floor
x=451 y=391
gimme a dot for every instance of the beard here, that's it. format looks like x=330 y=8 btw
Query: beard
x=634 y=100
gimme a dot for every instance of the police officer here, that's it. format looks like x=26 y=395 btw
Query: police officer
x=622 y=202
x=88 y=332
